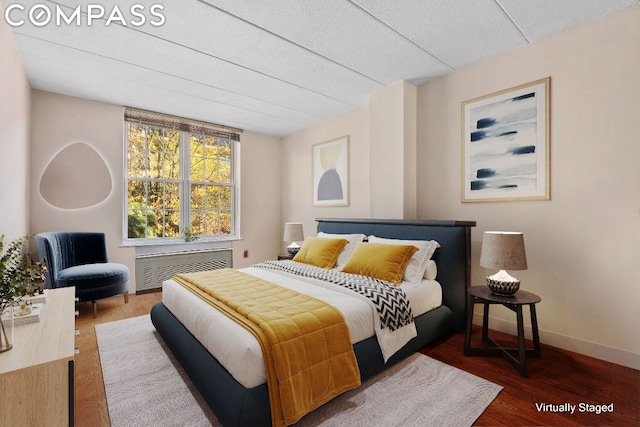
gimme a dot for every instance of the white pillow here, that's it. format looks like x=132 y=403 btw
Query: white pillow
x=348 y=250
x=418 y=263
x=432 y=270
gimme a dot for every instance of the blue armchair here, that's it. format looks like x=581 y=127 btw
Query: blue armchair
x=80 y=259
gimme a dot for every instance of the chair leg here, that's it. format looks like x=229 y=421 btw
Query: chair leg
x=126 y=297
x=95 y=309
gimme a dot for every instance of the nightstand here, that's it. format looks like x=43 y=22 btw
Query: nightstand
x=281 y=257
x=483 y=295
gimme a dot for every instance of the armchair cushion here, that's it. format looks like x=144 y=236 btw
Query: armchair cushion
x=95 y=281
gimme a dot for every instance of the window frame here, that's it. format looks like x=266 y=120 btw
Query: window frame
x=185 y=183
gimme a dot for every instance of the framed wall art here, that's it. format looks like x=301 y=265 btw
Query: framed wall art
x=505 y=145
x=331 y=173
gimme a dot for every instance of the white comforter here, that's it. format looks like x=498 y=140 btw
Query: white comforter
x=239 y=352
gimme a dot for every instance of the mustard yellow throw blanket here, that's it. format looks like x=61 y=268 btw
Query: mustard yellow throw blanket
x=307 y=350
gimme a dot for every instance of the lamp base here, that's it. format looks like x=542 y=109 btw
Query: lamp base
x=293 y=249
x=503 y=284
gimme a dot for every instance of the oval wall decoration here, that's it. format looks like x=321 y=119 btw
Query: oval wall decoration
x=77 y=177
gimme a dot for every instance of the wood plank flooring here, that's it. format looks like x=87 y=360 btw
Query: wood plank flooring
x=558 y=377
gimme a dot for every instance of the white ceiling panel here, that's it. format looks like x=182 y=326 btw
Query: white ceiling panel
x=278 y=66
x=341 y=32
x=208 y=72
x=91 y=80
x=457 y=32
x=244 y=45
x=540 y=19
x=166 y=56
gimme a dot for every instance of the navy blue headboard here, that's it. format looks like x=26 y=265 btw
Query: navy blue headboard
x=453 y=258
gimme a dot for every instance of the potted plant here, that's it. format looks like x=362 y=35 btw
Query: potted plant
x=18 y=278
x=190 y=234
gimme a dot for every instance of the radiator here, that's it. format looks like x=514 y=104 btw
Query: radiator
x=152 y=270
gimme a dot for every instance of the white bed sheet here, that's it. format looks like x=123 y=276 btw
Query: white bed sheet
x=236 y=348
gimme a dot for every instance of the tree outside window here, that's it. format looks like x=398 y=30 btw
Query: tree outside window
x=178 y=179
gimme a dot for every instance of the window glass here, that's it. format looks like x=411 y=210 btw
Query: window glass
x=163 y=167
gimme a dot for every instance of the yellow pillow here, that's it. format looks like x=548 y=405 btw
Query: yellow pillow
x=320 y=252
x=379 y=260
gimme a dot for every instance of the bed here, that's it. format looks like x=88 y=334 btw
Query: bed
x=237 y=405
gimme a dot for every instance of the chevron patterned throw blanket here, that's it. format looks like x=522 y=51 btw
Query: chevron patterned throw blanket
x=390 y=301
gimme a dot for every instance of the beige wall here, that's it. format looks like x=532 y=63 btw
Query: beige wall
x=260 y=193
x=382 y=147
x=14 y=138
x=392 y=163
x=59 y=121
x=583 y=246
x=297 y=187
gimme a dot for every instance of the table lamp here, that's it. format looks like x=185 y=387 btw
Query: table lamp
x=503 y=250
x=293 y=233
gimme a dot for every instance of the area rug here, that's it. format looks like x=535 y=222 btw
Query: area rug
x=146 y=386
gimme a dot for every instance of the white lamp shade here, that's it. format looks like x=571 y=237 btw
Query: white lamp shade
x=293 y=232
x=503 y=250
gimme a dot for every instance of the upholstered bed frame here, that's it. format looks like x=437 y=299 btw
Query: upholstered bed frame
x=234 y=405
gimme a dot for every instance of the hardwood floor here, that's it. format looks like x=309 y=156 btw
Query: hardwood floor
x=559 y=377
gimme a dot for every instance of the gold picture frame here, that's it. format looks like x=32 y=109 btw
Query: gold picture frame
x=505 y=145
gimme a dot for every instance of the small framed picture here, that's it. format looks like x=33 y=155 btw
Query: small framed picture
x=331 y=172
x=505 y=145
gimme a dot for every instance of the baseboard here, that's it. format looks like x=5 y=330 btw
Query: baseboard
x=587 y=348
x=148 y=291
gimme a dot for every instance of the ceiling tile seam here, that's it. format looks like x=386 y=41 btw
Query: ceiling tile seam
x=224 y=60
x=513 y=21
x=298 y=45
x=371 y=15
x=227 y=104
x=246 y=68
x=150 y=106
x=180 y=78
x=219 y=103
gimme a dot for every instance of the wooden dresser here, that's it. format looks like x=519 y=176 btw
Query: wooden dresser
x=37 y=374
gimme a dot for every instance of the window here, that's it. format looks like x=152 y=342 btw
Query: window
x=180 y=173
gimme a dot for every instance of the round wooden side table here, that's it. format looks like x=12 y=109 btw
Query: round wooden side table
x=483 y=295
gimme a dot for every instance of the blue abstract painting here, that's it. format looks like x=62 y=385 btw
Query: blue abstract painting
x=505 y=141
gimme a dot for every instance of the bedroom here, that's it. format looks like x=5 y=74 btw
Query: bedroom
x=582 y=242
